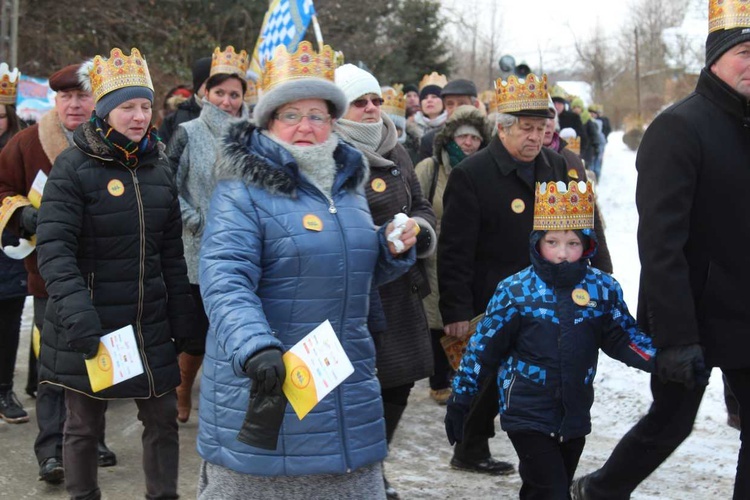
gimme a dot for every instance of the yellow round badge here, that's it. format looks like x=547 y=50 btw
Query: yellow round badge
x=378 y=185
x=517 y=205
x=300 y=377
x=312 y=222
x=572 y=174
x=581 y=296
x=104 y=361
x=115 y=187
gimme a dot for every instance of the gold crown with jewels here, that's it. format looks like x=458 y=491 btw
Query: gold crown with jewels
x=118 y=71
x=394 y=102
x=558 y=207
x=229 y=62
x=305 y=62
x=433 y=78
x=521 y=94
x=8 y=84
x=728 y=14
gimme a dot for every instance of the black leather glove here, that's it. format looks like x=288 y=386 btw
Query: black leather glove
x=28 y=220
x=455 y=416
x=265 y=411
x=191 y=345
x=683 y=364
x=88 y=346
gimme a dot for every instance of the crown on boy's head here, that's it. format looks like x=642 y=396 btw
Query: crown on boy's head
x=558 y=207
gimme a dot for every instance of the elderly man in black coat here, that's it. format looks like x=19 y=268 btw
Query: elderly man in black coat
x=693 y=294
x=488 y=215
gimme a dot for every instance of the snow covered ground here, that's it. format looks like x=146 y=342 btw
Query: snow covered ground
x=703 y=467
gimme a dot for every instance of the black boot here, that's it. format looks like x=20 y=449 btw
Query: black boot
x=10 y=408
x=107 y=457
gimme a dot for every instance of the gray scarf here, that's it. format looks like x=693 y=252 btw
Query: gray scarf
x=316 y=162
x=375 y=140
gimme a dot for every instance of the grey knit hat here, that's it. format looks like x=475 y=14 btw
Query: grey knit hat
x=110 y=101
x=294 y=90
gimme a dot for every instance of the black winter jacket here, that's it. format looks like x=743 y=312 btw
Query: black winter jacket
x=692 y=166
x=110 y=252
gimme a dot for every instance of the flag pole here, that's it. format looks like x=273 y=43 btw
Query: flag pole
x=318 y=33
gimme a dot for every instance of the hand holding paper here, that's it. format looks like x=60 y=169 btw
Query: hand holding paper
x=117 y=360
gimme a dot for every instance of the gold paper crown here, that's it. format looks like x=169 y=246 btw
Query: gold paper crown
x=433 y=79
x=574 y=145
x=558 y=207
x=8 y=84
x=118 y=71
x=302 y=63
x=398 y=87
x=728 y=14
x=394 y=102
x=523 y=94
x=251 y=96
x=229 y=62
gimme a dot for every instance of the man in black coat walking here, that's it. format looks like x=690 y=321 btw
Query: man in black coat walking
x=693 y=294
x=488 y=215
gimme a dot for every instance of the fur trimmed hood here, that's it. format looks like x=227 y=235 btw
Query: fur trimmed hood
x=463 y=115
x=258 y=161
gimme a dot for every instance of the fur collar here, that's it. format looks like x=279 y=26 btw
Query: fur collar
x=51 y=135
x=258 y=161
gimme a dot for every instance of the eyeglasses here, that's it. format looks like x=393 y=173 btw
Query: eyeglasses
x=292 y=118
x=4 y=116
x=362 y=102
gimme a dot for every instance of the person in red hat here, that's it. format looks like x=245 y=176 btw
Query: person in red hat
x=27 y=153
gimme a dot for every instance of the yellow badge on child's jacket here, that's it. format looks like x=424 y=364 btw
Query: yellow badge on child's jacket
x=378 y=185
x=581 y=296
x=518 y=205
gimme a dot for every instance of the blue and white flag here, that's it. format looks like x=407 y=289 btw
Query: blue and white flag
x=285 y=23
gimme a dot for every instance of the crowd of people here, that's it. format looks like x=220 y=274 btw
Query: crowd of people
x=409 y=218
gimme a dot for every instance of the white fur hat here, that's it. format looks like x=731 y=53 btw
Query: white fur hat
x=356 y=82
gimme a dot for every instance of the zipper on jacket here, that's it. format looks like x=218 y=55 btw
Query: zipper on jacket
x=141 y=273
x=510 y=389
x=90 y=285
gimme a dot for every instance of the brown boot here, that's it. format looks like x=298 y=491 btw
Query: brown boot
x=189 y=366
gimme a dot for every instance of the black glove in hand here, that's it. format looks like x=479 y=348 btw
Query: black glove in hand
x=88 y=346
x=455 y=416
x=265 y=411
x=683 y=364
x=28 y=220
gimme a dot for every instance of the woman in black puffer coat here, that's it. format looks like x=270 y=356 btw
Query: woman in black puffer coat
x=110 y=252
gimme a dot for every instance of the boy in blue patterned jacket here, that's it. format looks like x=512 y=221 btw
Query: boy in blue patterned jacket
x=541 y=336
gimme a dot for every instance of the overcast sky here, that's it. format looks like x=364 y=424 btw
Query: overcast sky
x=550 y=25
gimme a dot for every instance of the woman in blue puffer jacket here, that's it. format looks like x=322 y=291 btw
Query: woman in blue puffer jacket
x=289 y=243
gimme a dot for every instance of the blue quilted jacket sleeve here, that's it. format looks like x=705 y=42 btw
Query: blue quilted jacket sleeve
x=230 y=271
